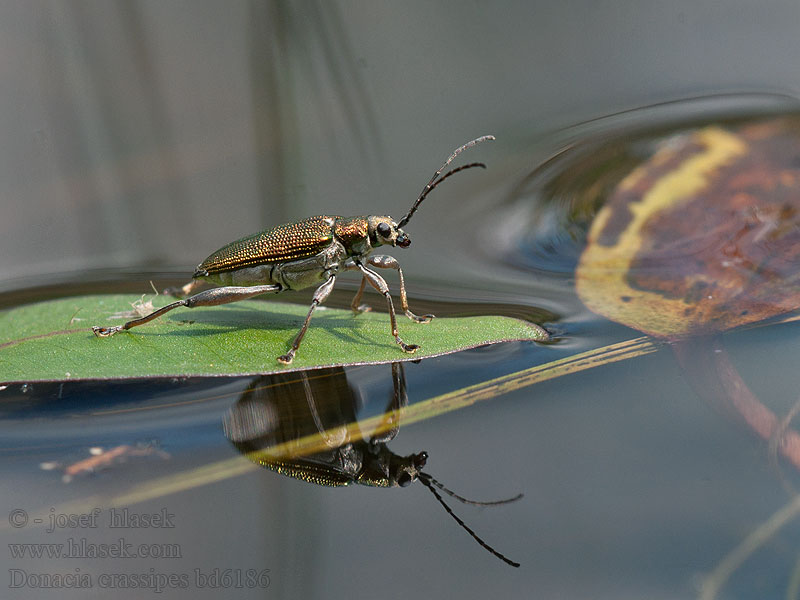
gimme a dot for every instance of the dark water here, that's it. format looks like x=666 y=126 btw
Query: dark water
x=635 y=486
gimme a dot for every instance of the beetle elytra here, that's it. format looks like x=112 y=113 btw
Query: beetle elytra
x=302 y=254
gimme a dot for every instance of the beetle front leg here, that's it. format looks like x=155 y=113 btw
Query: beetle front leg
x=390 y=262
x=212 y=297
x=320 y=295
x=379 y=284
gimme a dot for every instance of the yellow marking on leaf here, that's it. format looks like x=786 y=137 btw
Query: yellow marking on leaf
x=601 y=276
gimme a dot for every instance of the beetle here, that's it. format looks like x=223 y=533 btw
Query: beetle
x=277 y=412
x=302 y=254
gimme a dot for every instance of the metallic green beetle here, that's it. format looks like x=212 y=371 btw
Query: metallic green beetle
x=303 y=254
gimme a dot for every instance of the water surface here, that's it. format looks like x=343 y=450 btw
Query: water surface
x=635 y=487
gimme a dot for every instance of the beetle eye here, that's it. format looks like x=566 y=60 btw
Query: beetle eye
x=384 y=230
x=404 y=479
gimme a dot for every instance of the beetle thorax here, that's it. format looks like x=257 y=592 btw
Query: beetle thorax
x=353 y=234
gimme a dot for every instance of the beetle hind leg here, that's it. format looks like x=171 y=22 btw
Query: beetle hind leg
x=212 y=297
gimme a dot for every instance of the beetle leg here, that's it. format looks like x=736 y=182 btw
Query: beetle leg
x=379 y=284
x=390 y=262
x=320 y=295
x=335 y=437
x=356 y=305
x=399 y=401
x=212 y=297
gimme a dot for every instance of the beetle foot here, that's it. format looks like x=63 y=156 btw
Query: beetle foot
x=417 y=319
x=286 y=359
x=106 y=331
x=410 y=348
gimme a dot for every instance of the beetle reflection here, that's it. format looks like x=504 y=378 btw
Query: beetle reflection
x=303 y=425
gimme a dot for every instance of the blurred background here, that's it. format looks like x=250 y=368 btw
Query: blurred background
x=148 y=134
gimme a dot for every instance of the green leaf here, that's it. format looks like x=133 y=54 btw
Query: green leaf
x=53 y=340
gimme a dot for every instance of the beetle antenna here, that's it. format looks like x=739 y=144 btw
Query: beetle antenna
x=433 y=182
x=467 y=500
x=453 y=172
x=426 y=480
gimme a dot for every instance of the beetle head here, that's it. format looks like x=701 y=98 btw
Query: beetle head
x=405 y=470
x=384 y=231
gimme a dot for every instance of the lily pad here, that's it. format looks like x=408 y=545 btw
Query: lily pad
x=53 y=340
